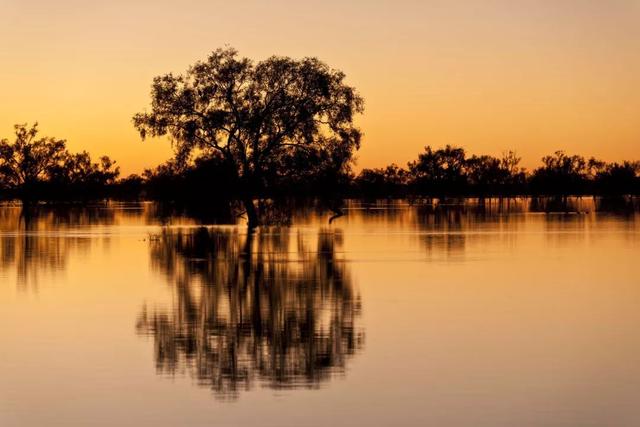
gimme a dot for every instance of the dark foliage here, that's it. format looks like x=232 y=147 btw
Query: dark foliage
x=618 y=179
x=449 y=172
x=42 y=168
x=269 y=122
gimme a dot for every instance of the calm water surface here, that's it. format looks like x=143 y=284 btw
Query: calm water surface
x=518 y=313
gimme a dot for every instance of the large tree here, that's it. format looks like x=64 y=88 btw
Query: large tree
x=257 y=116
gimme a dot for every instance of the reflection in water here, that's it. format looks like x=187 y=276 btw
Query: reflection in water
x=444 y=227
x=272 y=307
x=37 y=239
x=477 y=313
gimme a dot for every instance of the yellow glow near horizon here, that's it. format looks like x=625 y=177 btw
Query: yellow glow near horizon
x=532 y=76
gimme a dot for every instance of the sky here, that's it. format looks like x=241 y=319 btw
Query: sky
x=490 y=75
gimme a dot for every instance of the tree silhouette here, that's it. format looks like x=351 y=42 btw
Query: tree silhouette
x=265 y=307
x=618 y=178
x=78 y=169
x=440 y=171
x=491 y=175
x=34 y=168
x=391 y=180
x=260 y=117
x=563 y=174
x=28 y=159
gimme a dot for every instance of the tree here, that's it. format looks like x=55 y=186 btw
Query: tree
x=485 y=174
x=256 y=115
x=33 y=167
x=391 y=180
x=491 y=175
x=562 y=174
x=79 y=170
x=441 y=170
x=616 y=178
x=29 y=160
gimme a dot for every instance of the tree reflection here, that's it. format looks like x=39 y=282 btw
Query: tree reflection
x=446 y=226
x=36 y=239
x=262 y=308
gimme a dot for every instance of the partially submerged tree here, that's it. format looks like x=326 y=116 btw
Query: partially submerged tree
x=258 y=116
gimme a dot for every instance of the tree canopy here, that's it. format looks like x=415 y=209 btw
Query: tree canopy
x=35 y=167
x=265 y=119
x=29 y=159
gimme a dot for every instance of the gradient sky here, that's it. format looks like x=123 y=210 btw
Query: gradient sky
x=491 y=75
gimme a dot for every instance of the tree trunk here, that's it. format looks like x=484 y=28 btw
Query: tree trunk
x=252 y=213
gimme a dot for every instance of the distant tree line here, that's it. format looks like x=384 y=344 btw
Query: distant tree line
x=42 y=168
x=439 y=172
x=246 y=131
x=450 y=172
x=37 y=168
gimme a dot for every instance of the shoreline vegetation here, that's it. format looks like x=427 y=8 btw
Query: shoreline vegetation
x=246 y=132
x=47 y=172
x=36 y=169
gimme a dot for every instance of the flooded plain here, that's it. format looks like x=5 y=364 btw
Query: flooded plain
x=465 y=313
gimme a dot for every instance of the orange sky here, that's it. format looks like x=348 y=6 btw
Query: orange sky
x=489 y=75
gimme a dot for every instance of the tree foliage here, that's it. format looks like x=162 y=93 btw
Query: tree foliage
x=42 y=167
x=266 y=119
x=29 y=159
x=449 y=172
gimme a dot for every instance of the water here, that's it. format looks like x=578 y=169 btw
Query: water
x=516 y=313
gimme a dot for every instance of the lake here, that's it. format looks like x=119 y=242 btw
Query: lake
x=513 y=312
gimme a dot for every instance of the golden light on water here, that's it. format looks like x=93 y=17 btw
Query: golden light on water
x=458 y=315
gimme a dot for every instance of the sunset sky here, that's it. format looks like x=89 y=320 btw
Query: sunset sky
x=490 y=75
